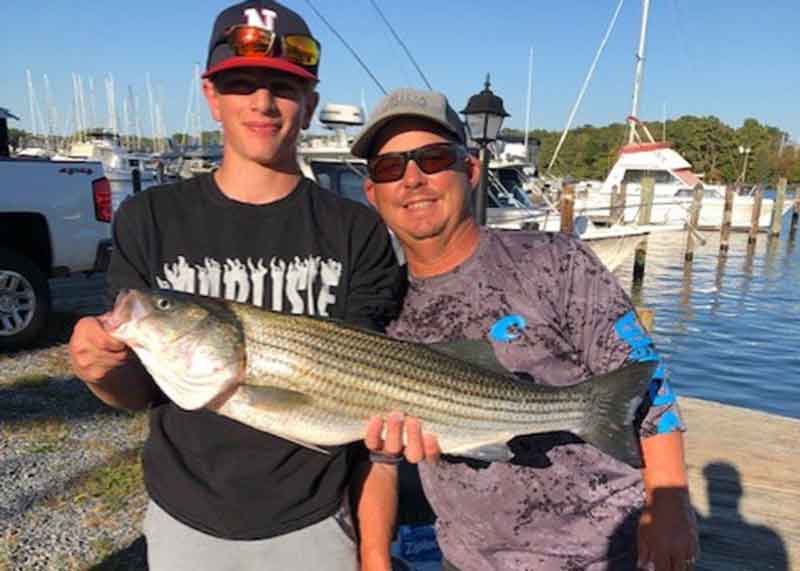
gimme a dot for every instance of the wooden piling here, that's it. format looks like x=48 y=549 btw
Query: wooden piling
x=777 y=209
x=727 y=219
x=568 y=209
x=758 y=199
x=136 y=179
x=640 y=257
x=795 y=213
x=647 y=317
x=694 y=219
x=617 y=210
x=646 y=194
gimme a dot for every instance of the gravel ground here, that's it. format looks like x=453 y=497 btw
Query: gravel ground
x=71 y=493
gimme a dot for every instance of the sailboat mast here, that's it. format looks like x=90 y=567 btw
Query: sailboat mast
x=528 y=101
x=637 y=83
x=31 y=103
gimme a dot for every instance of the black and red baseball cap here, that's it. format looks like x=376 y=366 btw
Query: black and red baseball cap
x=265 y=34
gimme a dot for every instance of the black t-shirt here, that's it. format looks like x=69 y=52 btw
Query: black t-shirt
x=311 y=252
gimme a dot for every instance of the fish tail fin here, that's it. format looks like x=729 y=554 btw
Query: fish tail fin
x=616 y=396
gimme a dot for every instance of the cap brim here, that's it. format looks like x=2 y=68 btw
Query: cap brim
x=363 y=143
x=260 y=62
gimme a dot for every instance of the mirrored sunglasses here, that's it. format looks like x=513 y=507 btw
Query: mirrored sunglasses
x=430 y=159
x=252 y=41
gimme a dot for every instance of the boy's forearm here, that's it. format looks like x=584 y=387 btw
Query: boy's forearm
x=127 y=387
x=377 y=511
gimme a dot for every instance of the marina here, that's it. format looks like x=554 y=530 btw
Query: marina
x=696 y=212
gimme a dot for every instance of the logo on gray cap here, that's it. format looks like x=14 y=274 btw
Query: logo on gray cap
x=406 y=102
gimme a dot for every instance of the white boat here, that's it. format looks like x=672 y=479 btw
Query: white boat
x=642 y=157
x=673 y=192
x=118 y=163
x=193 y=162
x=327 y=160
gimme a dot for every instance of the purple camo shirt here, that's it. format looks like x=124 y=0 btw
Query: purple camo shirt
x=562 y=504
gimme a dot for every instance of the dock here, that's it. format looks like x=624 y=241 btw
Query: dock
x=744 y=473
x=744 y=478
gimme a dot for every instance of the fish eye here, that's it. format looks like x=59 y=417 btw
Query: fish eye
x=163 y=304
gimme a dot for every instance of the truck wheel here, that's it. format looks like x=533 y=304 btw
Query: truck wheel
x=24 y=300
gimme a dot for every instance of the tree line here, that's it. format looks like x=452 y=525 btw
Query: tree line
x=711 y=146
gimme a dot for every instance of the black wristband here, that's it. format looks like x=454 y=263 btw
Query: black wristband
x=383 y=458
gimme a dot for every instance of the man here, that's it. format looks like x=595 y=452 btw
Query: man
x=225 y=496
x=552 y=311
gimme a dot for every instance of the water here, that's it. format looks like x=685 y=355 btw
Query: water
x=727 y=327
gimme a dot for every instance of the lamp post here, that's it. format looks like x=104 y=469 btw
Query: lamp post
x=5 y=115
x=746 y=152
x=484 y=114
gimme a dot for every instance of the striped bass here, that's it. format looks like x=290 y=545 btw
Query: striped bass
x=317 y=382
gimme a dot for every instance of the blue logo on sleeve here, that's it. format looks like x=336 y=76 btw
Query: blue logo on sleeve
x=641 y=349
x=507 y=328
x=668 y=423
x=632 y=333
x=666 y=397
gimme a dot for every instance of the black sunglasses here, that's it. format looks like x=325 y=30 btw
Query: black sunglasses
x=431 y=159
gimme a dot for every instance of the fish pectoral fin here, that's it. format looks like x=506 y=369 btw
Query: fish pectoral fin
x=305 y=444
x=495 y=451
x=272 y=399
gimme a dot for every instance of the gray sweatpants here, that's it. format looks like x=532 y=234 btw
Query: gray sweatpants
x=174 y=546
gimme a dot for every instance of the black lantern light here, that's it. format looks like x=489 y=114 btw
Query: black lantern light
x=484 y=114
x=5 y=115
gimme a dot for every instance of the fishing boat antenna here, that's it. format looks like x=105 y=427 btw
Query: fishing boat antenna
x=349 y=48
x=402 y=44
x=528 y=101
x=585 y=85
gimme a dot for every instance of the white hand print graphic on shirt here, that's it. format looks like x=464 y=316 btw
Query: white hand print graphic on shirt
x=237 y=284
x=208 y=277
x=257 y=273
x=308 y=284
x=331 y=274
x=278 y=270
x=296 y=281
x=180 y=276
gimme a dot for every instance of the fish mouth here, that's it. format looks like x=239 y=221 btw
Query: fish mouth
x=127 y=308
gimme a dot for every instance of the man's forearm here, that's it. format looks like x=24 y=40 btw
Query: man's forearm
x=377 y=510
x=127 y=387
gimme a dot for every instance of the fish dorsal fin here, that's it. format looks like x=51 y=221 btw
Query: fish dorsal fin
x=474 y=351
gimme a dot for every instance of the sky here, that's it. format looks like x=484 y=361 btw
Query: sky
x=732 y=59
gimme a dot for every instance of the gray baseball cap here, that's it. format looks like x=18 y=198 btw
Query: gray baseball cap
x=407 y=102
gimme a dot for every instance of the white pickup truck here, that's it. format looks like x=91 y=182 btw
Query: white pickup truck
x=54 y=221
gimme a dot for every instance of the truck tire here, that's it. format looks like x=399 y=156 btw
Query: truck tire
x=24 y=300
